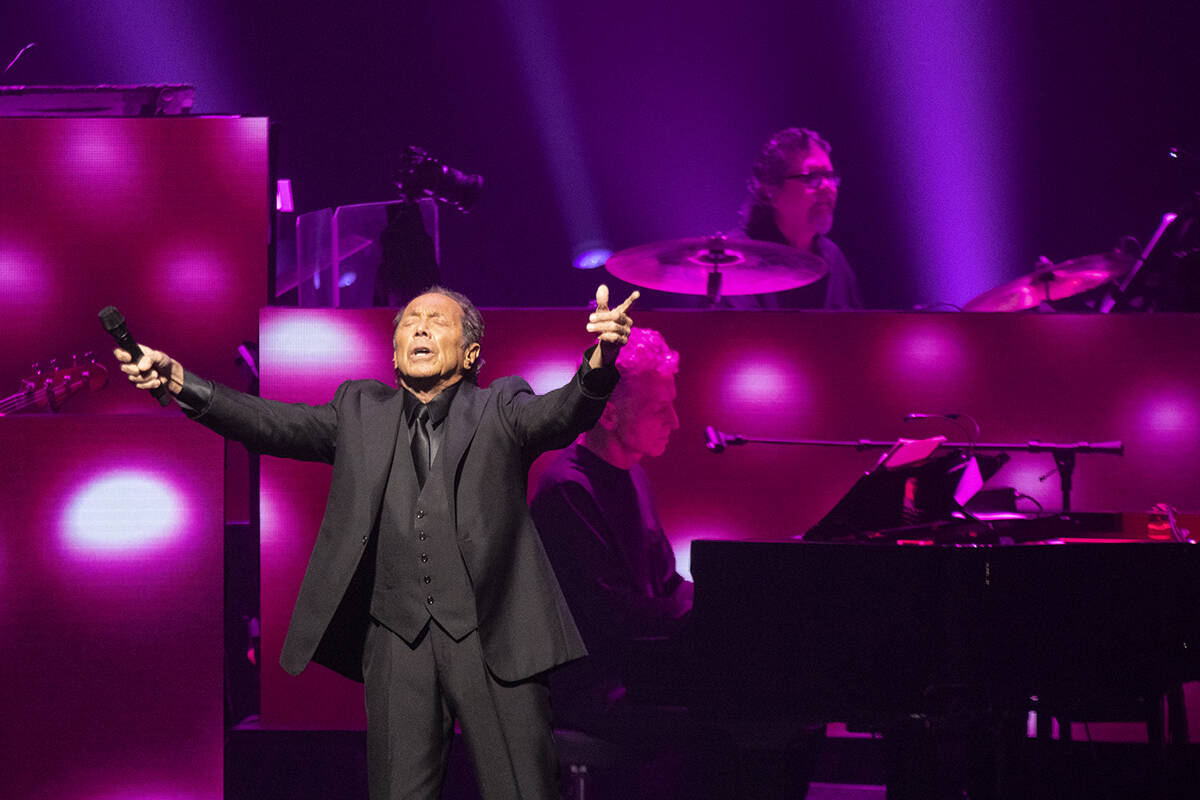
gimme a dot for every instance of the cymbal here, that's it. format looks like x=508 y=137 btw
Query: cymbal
x=716 y=265
x=1053 y=282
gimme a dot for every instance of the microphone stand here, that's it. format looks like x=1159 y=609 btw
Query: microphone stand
x=1064 y=454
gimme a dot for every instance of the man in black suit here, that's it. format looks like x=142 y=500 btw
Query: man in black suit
x=428 y=581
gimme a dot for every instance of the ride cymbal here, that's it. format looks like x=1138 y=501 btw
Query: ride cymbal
x=736 y=266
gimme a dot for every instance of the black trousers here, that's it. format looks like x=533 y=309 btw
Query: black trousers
x=414 y=693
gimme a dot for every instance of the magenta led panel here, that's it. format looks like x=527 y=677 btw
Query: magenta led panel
x=110 y=608
x=165 y=218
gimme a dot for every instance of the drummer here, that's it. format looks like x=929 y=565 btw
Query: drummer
x=793 y=191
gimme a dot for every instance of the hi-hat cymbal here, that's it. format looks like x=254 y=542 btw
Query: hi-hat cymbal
x=1053 y=282
x=716 y=265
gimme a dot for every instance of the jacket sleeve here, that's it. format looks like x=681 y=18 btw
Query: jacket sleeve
x=270 y=427
x=553 y=420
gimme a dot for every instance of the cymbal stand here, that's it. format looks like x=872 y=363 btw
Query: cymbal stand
x=715 y=256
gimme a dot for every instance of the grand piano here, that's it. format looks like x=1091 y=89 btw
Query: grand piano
x=964 y=624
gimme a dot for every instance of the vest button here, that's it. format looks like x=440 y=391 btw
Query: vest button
x=429 y=600
x=428 y=579
x=424 y=558
x=422 y=536
x=420 y=513
x=364 y=540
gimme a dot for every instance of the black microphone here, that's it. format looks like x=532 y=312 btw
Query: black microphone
x=114 y=322
x=714 y=440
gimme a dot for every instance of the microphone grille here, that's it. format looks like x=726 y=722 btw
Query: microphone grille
x=111 y=319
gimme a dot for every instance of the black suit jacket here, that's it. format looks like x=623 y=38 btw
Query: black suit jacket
x=492 y=437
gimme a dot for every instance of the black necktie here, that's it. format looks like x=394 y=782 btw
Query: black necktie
x=420 y=446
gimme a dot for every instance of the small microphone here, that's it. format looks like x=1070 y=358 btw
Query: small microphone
x=714 y=440
x=114 y=322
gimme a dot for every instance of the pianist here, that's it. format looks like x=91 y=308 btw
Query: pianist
x=594 y=510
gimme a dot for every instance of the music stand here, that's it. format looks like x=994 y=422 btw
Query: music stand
x=916 y=482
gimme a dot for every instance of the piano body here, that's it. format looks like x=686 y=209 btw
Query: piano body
x=870 y=631
x=902 y=605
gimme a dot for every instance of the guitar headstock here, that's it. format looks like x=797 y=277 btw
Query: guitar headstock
x=55 y=384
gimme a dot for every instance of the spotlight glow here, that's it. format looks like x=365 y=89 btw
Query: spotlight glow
x=682 y=538
x=99 y=155
x=1169 y=414
x=592 y=258
x=311 y=342
x=124 y=513
x=197 y=272
x=24 y=278
x=768 y=383
x=949 y=110
x=925 y=349
x=547 y=374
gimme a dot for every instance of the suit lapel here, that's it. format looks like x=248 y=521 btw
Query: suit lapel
x=381 y=422
x=465 y=413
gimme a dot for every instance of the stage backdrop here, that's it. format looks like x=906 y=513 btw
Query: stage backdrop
x=165 y=218
x=112 y=622
x=110 y=608
x=805 y=375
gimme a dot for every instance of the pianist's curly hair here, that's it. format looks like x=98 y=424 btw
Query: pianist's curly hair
x=645 y=353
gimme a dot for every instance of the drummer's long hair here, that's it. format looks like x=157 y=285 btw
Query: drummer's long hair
x=758 y=214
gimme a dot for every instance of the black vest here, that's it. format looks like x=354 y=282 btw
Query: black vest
x=419 y=571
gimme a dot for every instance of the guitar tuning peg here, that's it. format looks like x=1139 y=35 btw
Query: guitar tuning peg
x=36 y=368
x=54 y=365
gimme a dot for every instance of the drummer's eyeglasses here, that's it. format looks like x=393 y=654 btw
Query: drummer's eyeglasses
x=812 y=180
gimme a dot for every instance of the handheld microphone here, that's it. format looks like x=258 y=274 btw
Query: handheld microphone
x=114 y=322
x=714 y=440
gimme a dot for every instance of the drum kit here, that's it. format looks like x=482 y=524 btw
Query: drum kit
x=717 y=265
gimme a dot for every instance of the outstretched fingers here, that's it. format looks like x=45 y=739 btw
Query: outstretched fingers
x=612 y=326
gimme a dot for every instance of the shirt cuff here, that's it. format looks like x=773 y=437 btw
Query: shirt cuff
x=597 y=382
x=196 y=393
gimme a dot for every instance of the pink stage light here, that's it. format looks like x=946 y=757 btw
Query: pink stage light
x=682 y=537
x=124 y=513
x=197 y=272
x=141 y=793
x=24 y=278
x=1171 y=413
x=770 y=382
x=280 y=524
x=930 y=348
x=101 y=170
x=549 y=373
x=925 y=354
x=318 y=344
